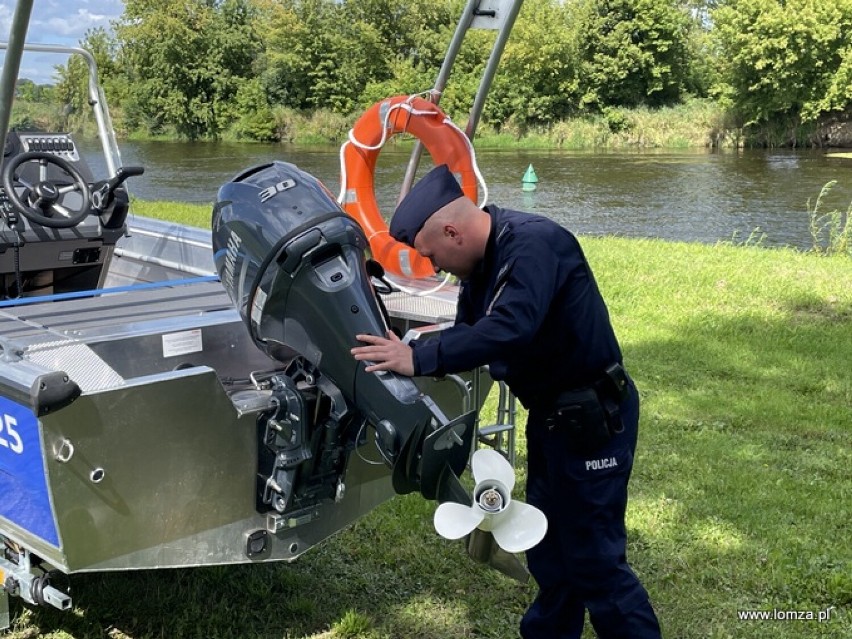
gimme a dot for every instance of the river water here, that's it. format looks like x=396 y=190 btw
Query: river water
x=692 y=195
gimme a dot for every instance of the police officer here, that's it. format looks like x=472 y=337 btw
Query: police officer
x=530 y=309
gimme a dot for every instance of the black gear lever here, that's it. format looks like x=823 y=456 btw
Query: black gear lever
x=102 y=195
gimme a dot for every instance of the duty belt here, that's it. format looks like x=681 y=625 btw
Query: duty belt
x=591 y=414
x=612 y=387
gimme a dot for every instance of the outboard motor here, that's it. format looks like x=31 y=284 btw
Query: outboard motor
x=293 y=262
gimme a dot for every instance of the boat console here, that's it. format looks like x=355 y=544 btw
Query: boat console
x=58 y=224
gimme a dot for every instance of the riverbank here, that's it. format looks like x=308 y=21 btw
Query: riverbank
x=696 y=123
x=739 y=498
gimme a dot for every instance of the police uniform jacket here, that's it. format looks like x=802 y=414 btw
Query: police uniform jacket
x=531 y=311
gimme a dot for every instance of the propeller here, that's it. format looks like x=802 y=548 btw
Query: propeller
x=516 y=526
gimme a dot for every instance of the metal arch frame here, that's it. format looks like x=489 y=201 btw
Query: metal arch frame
x=12 y=64
x=15 y=48
x=474 y=15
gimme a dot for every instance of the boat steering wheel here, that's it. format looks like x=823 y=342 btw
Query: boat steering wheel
x=43 y=201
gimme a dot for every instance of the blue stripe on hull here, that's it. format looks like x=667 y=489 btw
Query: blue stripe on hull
x=24 y=497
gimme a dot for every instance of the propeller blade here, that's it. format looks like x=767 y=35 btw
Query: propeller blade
x=454 y=521
x=489 y=464
x=519 y=527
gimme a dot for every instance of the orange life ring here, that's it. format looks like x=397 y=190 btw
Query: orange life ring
x=445 y=142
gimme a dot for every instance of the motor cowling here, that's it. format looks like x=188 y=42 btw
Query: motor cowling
x=294 y=264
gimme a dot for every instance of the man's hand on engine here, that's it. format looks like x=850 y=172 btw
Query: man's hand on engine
x=385 y=354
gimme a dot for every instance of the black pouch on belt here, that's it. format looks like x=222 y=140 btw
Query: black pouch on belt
x=580 y=414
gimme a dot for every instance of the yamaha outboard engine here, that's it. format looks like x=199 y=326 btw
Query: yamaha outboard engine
x=293 y=263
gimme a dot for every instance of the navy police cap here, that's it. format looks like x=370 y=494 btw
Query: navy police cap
x=435 y=190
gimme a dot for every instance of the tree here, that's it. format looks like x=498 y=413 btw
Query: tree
x=631 y=52
x=283 y=61
x=72 y=89
x=316 y=56
x=325 y=54
x=784 y=57
x=186 y=61
x=350 y=55
x=29 y=91
x=255 y=119
x=537 y=78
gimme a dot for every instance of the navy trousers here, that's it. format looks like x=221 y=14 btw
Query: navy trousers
x=581 y=564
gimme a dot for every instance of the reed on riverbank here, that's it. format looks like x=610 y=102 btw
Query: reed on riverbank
x=739 y=500
x=831 y=231
x=696 y=123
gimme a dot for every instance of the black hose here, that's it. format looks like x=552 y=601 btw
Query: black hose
x=19 y=284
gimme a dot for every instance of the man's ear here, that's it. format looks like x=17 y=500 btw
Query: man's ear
x=452 y=232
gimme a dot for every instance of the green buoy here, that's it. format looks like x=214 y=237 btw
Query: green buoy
x=530 y=179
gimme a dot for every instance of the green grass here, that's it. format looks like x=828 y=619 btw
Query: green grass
x=181 y=212
x=740 y=498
